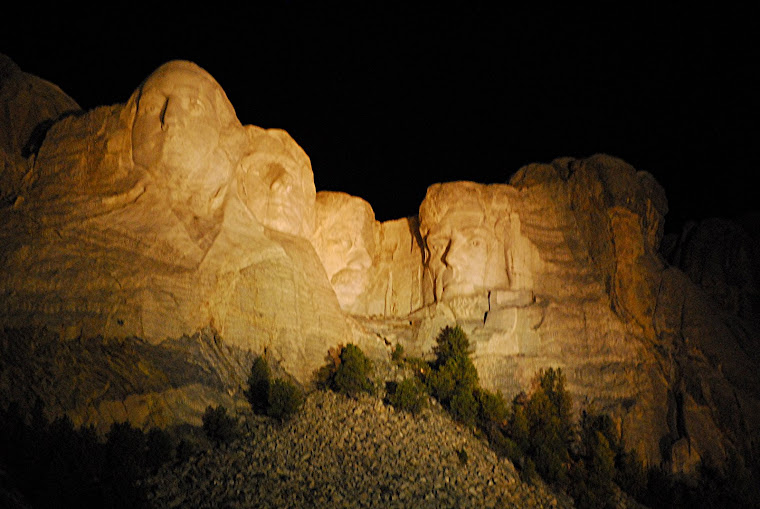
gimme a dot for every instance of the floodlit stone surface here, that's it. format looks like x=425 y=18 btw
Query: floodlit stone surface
x=164 y=216
x=462 y=225
x=276 y=182
x=345 y=242
x=30 y=105
x=375 y=268
x=137 y=223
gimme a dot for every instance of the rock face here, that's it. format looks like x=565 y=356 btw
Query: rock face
x=164 y=217
x=29 y=106
x=375 y=268
x=139 y=221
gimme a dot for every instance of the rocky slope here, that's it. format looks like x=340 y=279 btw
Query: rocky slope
x=164 y=218
x=341 y=452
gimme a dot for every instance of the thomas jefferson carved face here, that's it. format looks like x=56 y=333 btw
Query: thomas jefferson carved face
x=464 y=255
x=345 y=242
x=180 y=118
x=277 y=183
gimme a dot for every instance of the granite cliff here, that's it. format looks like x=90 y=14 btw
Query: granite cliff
x=149 y=249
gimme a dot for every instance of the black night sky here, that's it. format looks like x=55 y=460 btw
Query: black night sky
x=387 y=100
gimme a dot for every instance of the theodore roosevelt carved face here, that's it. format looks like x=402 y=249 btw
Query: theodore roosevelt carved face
x=464 y=254
x=345 y=242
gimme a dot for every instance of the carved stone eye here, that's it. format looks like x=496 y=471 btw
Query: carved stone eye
x=196 y=106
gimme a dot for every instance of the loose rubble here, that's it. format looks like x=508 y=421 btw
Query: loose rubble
x=343 y=452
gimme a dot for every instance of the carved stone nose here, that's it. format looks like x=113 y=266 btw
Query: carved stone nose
x=454 y=254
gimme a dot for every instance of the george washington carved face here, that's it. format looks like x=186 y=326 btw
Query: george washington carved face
x=181 y=116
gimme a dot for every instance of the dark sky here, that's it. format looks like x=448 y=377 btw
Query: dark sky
x=389 y=100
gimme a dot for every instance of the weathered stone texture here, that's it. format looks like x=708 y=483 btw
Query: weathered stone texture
x=139 y=221
x=28 y=106
x=164 y=216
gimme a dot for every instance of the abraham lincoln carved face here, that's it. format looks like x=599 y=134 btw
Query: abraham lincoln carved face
x=464 y=253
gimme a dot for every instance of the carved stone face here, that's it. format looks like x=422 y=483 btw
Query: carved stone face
x=277 y=183
x=463 y=253
x=344 y=240
x=181 y=111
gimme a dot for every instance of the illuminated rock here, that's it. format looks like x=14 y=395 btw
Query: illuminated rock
x=461 y=224
x=276 y=182
x=634 y=335
x=165 y=216
x=375 y=268
x=30 y=105
x=136 y=223
x=345 y=239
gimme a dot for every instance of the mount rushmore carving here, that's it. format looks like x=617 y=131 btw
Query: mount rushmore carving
x=165 y=216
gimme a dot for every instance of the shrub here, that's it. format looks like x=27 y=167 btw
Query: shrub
x=419 y=366
x=539 y=428
x=397 y=355
x=452 y=342
x=285 y=400
x=218 y=426
x=280 y=399
x=409 y=395
x=324 y=375
x=464 y=407
x=160 y=448
x=124 y=464
x=125 y=449
x=352 y=374
x=551 y=383
x=518 y=428
x=463 y=456
x=492 y=408
x=550 y=426
x=52 y=464
x=258 y=385
x=453 y=373
x=594 y=473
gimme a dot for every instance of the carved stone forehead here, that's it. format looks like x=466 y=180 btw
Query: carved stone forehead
x=184 y=77
x=463 y=202
x=336 y=208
